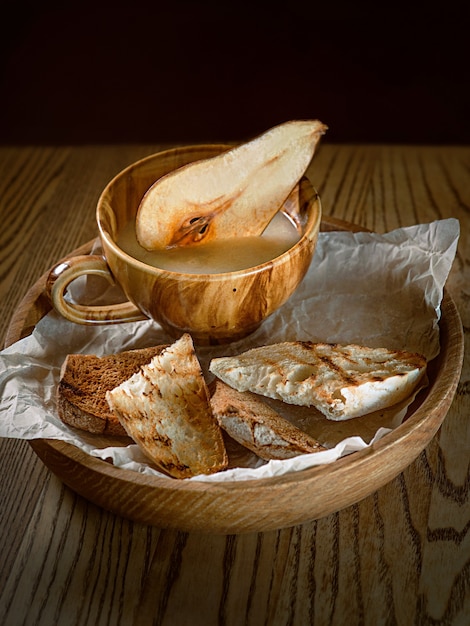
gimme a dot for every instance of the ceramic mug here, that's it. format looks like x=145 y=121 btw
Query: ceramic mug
x=213 y=308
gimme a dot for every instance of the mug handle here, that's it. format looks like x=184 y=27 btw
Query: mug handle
x=65 y=272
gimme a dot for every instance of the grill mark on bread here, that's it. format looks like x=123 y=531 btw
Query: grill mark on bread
x=347 y=378
x=65 y=385
x=170 y=468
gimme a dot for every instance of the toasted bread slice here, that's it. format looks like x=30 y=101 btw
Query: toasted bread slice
x=84 y=381
x=258 y=427
x=165 y=409
x=341 y=381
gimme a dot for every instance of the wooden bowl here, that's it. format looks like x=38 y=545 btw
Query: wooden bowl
x=263 y=504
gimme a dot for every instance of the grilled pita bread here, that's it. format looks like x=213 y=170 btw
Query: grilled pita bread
x=165 y=409
x=341 y=381
x=258 y=427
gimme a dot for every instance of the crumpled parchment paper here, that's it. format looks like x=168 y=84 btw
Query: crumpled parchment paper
x=366 y=288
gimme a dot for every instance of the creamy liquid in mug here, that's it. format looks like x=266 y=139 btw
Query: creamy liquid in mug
x=216 y=256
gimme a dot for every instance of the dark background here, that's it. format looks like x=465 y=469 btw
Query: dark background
x=96 y=72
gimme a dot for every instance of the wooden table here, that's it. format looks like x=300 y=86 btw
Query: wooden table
x=400 y=556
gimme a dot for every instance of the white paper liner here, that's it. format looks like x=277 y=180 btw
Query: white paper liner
x=364 y=288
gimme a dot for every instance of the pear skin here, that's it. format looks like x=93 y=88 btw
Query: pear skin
x=234 y=194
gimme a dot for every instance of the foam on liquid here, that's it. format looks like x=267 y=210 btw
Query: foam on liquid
x=216 y=256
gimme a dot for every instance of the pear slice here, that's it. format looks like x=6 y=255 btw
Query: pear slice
x=234 y=194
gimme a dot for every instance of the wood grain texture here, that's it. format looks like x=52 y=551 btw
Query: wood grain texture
x=399 y=556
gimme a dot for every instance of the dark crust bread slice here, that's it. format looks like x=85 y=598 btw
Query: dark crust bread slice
x=257 y=426
x=84 y=381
